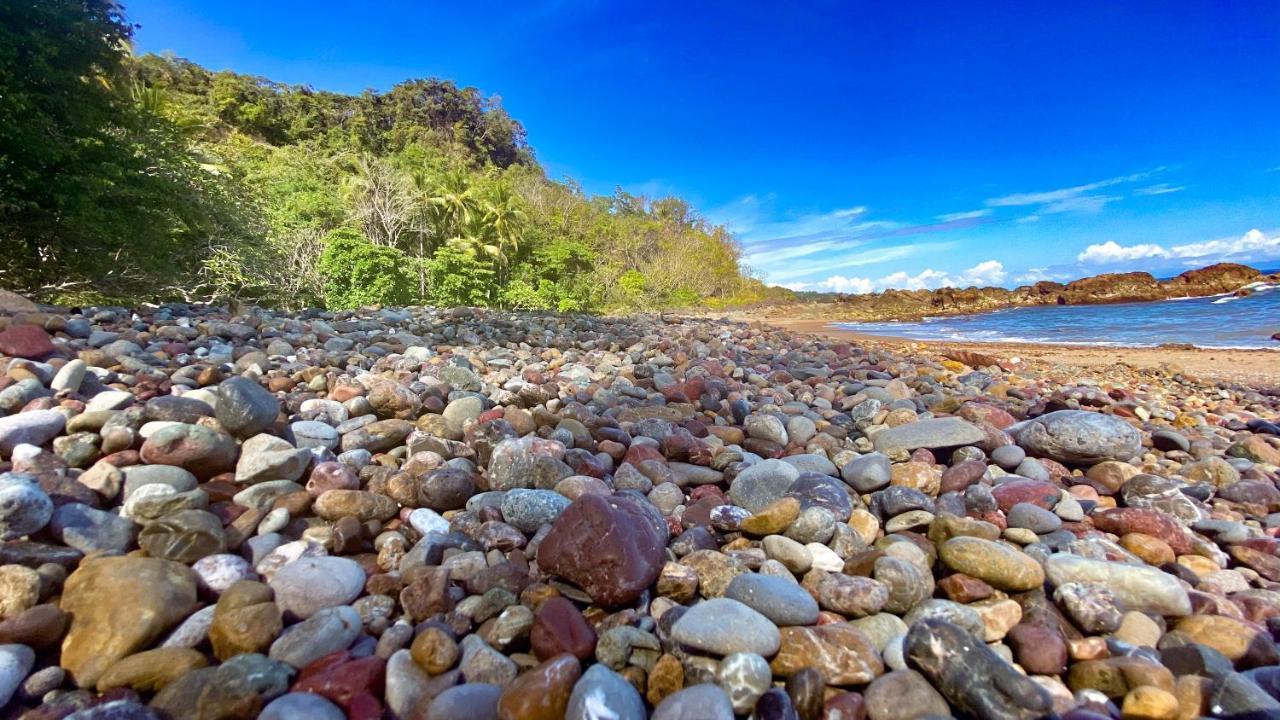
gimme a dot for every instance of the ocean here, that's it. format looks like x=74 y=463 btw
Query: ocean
x=1222 y=321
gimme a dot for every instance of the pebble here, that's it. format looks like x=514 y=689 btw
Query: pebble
x=723 y=626
x=700 y=702
x=24 y=507
x=783 y=602
x=471 y=514
x=310 y=584
x=15 y=664
x=744 y=677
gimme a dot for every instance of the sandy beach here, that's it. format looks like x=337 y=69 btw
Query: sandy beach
x=1260 y=368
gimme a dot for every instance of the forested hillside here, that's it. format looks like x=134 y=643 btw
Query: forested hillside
x=150 y=178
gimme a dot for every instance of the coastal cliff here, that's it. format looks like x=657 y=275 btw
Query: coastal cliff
x=1098 y=289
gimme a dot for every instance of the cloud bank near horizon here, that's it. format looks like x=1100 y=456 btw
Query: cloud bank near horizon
x=1253 y=247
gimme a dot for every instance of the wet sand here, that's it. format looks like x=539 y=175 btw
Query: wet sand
x=1260 y=368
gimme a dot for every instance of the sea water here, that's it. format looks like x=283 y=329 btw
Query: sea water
x=1223 y=321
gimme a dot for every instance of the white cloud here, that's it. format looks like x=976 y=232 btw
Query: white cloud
x=839 y=261
x=988 y=272
x=1079 y=198
x=767 y=256
x=751 y=219
x=849 y=212
x=967 y=215
x=1254 y=244
x=1029 y=219
x=1159 y=189
x=841 y=284
x=1035 y=275
x=1079 y=203
x=1111 y=251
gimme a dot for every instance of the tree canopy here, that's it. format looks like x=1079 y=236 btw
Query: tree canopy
x=152 y=178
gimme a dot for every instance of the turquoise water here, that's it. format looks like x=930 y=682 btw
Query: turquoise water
x=1223 y=322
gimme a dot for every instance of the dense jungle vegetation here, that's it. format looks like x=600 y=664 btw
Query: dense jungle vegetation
x=127 y=178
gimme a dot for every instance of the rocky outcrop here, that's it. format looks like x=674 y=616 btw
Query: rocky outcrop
x=1098 y=289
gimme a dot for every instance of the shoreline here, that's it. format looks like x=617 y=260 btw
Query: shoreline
x=1258 y=367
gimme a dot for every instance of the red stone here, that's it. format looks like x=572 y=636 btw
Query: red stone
x=961 y=475
x=1038 y=647
x=965 y=589
x=1036 y=492
x=639 y=453
x=351 y=684
x=26 y=341
x=559 y=627
x=981 y=412
x=611 y=547
x=844 y=706
x=1122 y=521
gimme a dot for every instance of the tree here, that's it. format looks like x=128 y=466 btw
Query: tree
x=383 y=201
x=357 y=272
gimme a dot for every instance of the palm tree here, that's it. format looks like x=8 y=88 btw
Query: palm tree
x=506 y=221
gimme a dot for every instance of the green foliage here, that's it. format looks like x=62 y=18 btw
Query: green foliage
x=356 y=272
x=458 y=277
x=154 y=178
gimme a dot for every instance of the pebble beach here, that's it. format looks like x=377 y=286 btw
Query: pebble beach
x=468 y=514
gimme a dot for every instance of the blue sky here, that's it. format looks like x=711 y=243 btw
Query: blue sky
x=850 y=146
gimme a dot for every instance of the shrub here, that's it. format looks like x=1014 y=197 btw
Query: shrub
x=356 y=272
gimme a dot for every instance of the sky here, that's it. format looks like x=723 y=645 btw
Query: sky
x=850 y=146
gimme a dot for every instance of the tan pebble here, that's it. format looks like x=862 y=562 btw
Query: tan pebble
x=774 y=518
x=865 y=524
x=1199 y=565
x=1138 y=629
x=1149 y=703
x=1151 y=549
x=1194 y=694
x=1088 y=648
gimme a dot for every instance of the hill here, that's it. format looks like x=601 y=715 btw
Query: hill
x=152 y=178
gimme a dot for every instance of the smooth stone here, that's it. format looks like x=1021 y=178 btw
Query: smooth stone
x=744 y=677
x=328 y=630
x=91 y=530
x=406 y=684
x=700 y=702
x=868 y=473
x=783 y=602
x=931 y=434
x=903 y=695
x=34 y=427
x=118 y=606
x=761 y=484
x=301 y=706
x=470 y=701
x=266 y=457
x=723 y=626
x=313 y=434
x=602 y=694
x=16 y=662
x=245 y=408
x=840 y=651
x=1141 y=588
x=310 y=584
x=217 y=573
x=611 y=547
x=971 y=675
x=184 y=536
x=1078 y=437
x=24 y=507
x=193 y=631
x=997 y=564
x=136 y=476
